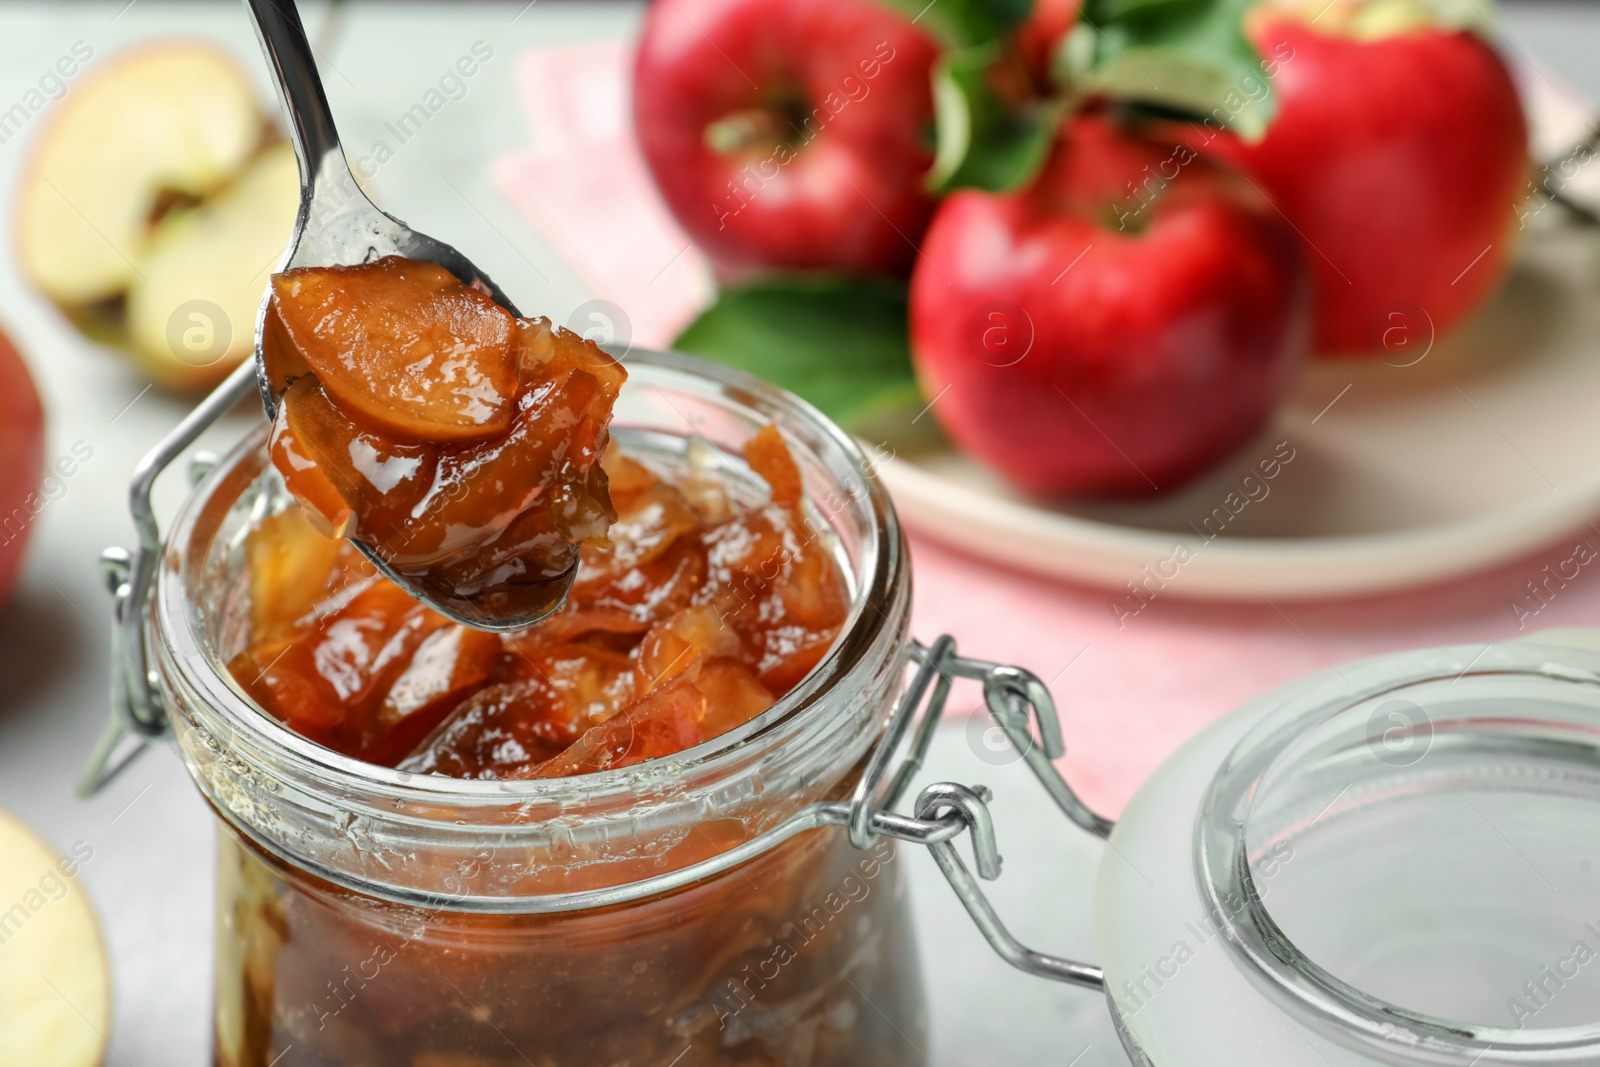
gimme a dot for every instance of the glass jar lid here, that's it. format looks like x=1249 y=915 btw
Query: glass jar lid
x=1396 y=861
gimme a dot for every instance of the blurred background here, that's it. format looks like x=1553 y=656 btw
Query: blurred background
x=1183 y=392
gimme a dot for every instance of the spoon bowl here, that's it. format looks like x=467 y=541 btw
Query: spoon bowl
x=338 y=226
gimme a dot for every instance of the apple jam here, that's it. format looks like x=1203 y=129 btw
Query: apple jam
x=691 y=618
x=460 y=444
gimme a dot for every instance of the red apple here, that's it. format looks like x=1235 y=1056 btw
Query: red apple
x=1117 y=327
x=789 y=133
x=21 y=460
x=1400 y=157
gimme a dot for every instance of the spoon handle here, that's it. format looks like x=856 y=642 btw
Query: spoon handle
x=294 y=68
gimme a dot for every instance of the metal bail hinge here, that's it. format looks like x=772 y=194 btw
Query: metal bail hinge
x=138 y=715
x=1014 y=698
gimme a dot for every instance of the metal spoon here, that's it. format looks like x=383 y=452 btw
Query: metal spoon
x=338 y=226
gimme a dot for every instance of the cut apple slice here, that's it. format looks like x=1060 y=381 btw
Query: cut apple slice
x=330 y=679
x=192 y=310
x=769 y=457
x=324 y=496
x=172 y=118
x=662 y=723
x=55 y=988
x=291 y=566
x=478 y=492
x=404 y=345
x=373 y=477
x=449 y=665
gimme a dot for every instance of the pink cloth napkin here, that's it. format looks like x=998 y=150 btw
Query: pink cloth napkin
x=584 y=186
x=1127 y=696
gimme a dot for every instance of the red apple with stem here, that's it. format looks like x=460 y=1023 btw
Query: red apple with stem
x=1399 y=152
x=1116 y=327
x=789 y=133
x=21 y=460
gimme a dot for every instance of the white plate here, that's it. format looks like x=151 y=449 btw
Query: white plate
x=1486 y=447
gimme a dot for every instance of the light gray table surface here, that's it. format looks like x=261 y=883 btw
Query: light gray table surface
x=151 y=873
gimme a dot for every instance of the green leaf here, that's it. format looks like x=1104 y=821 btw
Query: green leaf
x=985 y=142
x=1188 y=55
x=839 y=342
x=962 y=23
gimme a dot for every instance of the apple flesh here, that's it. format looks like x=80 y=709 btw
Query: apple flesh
x=191 y=316
x=55 y=986
x=175 y=118
x=153 y=208
x=21 y=462
x=1083 y=338
x=789 y=133
x=1400 y=153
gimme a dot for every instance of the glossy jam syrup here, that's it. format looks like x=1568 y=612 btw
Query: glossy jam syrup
x=694 y=615
x=420 y=418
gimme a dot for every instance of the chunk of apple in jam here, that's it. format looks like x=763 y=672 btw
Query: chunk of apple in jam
x=694 y=707
x=345 y=475
x=511 y=730
x=734 y=695
x=328 y=680
x=449 y=665
x=292 y=569
x=663 y=722
x=459 y=444
x=770 y=457
x=403 y=345
x=547 y=463
x=770 y=578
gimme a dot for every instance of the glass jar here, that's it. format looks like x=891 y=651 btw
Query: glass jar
x=370 y=916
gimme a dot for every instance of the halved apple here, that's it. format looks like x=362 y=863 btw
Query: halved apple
x=175 y=118
x=55 y=986
x=153 y=205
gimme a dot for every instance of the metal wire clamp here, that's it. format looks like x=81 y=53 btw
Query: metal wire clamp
x=137 y=712
x=1013 y=696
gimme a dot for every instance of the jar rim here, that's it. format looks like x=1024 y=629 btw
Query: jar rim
x=1231 y=892
x=882 y=570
